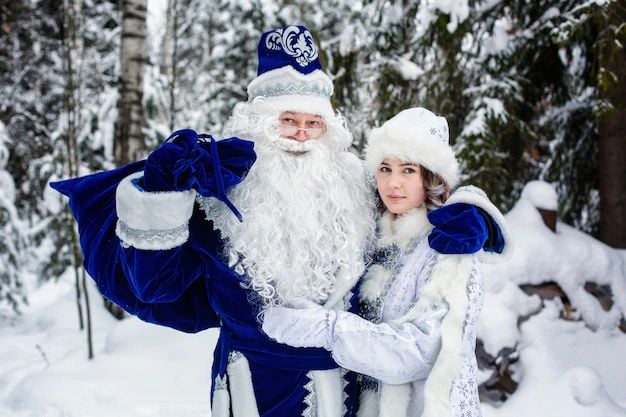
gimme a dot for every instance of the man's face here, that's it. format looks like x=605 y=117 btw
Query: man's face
x=300 y=126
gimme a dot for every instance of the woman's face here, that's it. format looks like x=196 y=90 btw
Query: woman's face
x=400 y=185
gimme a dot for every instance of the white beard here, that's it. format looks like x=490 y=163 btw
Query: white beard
x=308 y=214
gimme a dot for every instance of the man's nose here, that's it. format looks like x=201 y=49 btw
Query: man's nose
x=301 y=136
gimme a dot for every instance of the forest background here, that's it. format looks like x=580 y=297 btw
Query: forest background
x=531 y=90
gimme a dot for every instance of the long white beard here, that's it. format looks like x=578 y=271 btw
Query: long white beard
x=308 y=217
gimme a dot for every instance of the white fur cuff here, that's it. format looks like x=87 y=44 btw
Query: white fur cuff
x=152 y=220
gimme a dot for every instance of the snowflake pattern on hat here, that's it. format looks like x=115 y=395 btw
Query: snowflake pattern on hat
x=440 y=133
x=294 y=41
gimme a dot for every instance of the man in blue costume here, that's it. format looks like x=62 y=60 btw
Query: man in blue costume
x=209 y=233
x=164 y=241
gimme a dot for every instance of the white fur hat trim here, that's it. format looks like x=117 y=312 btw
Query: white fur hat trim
x=286 y=89
x=414 y=135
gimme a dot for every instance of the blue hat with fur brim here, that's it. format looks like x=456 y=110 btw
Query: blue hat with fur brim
x=290 y=75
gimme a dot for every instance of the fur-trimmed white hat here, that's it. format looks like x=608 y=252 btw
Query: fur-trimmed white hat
x=290 y=75
x=414 y=135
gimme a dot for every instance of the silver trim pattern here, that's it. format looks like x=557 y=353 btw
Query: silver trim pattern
x=234 y=356
x=154 y=235
x=292 y=88
x=221 y=383
x=311 y=398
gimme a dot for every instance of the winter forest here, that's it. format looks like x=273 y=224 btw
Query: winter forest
x=534 y=93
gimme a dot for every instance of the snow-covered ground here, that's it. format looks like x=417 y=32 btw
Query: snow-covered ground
x=139 y=369
x=567 y=370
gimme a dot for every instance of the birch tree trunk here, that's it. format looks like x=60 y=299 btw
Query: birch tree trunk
x=73 y=59
x=129 y=143
x=172 y=51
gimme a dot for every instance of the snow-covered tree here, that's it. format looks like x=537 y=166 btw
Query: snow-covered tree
x=12 y=244
x=206 y=58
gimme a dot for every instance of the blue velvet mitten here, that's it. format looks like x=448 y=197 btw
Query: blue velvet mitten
x=190 y=161
x=459 y=228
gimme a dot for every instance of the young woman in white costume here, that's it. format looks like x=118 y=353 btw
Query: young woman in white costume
x=421 y=297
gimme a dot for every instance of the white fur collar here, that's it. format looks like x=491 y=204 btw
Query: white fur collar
x=402 y=229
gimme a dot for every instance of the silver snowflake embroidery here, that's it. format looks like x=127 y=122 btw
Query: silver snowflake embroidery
x=295 y=42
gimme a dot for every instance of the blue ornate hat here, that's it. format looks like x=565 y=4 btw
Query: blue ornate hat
x=290 y=75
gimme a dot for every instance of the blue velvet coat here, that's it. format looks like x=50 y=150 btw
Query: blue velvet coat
x=191 y=288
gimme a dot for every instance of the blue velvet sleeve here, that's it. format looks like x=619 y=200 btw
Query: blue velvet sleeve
x=160 y=287
x=166 y=287
x=461 y=228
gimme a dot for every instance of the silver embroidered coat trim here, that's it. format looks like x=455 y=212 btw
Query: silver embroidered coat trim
x=221 y=383
x=208 y=205
x=311 y=398
x=464 y=396
x=346 y=300
x=234 y=356
x=390 y=258
x=344 y=394
x=367 y=383
x=154 y=235
x=371 y=310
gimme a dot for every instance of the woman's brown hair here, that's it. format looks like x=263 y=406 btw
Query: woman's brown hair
x=437 y=190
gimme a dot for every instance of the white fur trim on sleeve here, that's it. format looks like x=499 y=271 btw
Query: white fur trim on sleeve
x=394 y=400
x=475 y=196
x=368 y=404
x=152 y=220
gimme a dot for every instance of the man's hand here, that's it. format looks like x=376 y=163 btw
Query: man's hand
x=176 y=164
x=459 y=228
x=310 y=325
x=190 y=161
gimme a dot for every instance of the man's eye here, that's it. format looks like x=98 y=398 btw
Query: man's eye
x=314 y=123
x=287 y=121
x=409 y=171
x=384 y=169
